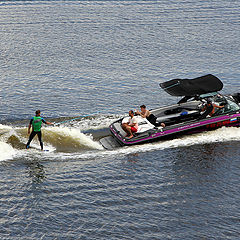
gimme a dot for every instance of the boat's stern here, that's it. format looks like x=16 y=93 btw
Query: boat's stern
x=117 y=138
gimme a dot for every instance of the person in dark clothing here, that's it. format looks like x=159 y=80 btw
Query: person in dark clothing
x=148 y=115
x=209 y=109
x=36 y=124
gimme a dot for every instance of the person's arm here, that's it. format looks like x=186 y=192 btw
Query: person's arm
x=137 y=112
x=134 y=123
x=143 y=115
x=29 y=126
x=46 y=122
x=217 y=106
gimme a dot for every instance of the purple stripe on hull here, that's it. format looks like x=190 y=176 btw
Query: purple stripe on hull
x=208 y=124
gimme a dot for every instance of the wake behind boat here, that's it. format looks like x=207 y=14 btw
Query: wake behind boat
x=202 y=108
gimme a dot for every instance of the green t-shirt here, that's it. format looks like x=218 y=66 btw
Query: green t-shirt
x=37 y=123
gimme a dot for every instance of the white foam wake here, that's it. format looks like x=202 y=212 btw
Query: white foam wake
x=94 y=122
x=67 y=143
x=219 y=135
x=72 y=137
x=6 y=151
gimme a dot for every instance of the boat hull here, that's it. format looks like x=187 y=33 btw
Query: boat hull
x=190 y=127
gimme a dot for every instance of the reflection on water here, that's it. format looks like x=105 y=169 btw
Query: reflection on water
x=198 y=157
x=133 y=157
x=36 y=172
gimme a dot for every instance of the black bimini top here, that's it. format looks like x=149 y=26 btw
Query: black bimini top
x=192 y=87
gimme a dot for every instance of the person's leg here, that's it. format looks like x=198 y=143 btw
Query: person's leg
x=30 y=139
x=132 y=130
x=125 y=127
x=129 y=131
x=40 y=139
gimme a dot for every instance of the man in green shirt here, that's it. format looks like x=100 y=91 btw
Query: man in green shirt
x=36 y=124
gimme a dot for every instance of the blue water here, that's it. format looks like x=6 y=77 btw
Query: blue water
x=94 y=61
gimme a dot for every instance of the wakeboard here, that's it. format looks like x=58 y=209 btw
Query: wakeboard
x=37 y=149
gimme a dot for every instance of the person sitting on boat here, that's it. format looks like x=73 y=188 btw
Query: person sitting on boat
x=148 y=115
x=210 y=108
x=131 y=126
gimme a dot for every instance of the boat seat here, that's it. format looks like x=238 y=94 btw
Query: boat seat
x=177 y=117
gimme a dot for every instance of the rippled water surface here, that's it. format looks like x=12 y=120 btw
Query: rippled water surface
x=93 y=61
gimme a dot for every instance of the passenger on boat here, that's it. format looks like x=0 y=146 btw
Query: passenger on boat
x=131 y=126
x=209 y=108
x=148 y=115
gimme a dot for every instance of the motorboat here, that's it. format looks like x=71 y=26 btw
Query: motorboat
x=188 y=116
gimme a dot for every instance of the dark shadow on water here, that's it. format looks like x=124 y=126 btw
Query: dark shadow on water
x=203 y=169
x=36 y=172
x=133 y=157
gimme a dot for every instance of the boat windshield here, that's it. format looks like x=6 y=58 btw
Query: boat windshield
x=232 y=106
x=207 y=95
x=229 y=106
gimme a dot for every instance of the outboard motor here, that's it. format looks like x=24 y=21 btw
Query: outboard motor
x=236 y=97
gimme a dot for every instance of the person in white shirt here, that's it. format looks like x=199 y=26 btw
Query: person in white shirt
x=131 y=126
